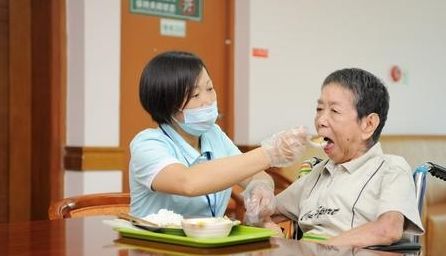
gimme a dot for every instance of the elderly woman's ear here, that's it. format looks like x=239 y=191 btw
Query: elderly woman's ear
x=369 y=124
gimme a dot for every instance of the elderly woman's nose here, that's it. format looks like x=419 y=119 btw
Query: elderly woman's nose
x=321 y=120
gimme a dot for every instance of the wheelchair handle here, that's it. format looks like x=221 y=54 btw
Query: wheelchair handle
x=420 y=179
x=420 y=184
x=437 y=171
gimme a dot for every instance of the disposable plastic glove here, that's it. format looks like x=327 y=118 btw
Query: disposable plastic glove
x=286 y=147
x=260 y=202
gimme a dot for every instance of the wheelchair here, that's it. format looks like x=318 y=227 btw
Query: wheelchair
x=409 y=245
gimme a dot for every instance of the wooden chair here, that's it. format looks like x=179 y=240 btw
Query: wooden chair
x=115 y=203
x=90 y=205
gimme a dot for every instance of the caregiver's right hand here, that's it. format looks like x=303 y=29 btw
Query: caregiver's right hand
x=286 y=147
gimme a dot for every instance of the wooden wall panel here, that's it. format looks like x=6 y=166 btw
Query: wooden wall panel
x=46 y=106
x=31 y=108
x=41 y=106
x=4 y=110
x=20 y=110
x=94 y=158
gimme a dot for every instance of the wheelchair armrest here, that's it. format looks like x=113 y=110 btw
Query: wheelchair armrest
x=400 y=246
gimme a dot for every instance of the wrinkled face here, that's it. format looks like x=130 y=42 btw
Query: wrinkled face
x=203 y=95
x=337 y=121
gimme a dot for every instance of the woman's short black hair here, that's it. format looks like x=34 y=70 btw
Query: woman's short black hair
x=369 y=93
x=167 y=83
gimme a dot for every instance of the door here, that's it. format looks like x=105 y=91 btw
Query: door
x=141 y=40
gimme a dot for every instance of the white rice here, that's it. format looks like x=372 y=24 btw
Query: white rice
x=165 y=217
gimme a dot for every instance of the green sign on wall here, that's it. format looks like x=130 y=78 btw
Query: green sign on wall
x=180 y=9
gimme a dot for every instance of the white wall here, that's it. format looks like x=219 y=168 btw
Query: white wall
x=93 y=87
x=94 y=39
x=242 y=72
x=307 y=40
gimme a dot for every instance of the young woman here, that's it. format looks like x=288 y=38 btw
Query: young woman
x=188 y=164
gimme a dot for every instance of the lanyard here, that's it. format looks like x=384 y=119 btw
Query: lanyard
x=200 y=159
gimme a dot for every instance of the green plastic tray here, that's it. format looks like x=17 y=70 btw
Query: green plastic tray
x=240 y=234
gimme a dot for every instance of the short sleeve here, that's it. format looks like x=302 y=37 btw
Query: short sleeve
x=398 y=194
x=231 y=148
x=218 y=143
x=288 y=200
x=148 y=157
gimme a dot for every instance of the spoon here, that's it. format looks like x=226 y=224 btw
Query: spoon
x=317 y=141
x=137 y=220
x=150 y=226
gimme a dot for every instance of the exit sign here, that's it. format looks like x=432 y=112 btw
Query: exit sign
x=179 y=9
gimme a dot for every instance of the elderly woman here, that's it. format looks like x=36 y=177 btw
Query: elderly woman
x=359 y=196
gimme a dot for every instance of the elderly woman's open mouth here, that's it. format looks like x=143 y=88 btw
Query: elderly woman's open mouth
x=329 y=144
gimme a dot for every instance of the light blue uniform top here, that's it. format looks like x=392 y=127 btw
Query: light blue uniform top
x=153 y=149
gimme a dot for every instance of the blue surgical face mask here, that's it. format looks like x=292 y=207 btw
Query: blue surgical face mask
x=199 y=120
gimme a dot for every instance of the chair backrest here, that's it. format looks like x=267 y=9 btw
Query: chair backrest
x=115 y=203
x=90 y=205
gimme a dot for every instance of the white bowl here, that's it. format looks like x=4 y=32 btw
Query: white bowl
x=207 y=227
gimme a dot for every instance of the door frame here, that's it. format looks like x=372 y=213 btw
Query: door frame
x=35 y=110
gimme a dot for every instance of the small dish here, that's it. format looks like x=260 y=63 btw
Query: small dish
x=208 y=227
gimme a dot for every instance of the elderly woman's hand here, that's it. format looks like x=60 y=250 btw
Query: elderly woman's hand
x=286 y=147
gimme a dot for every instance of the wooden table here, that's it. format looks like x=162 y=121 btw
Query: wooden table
x=89 y=236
